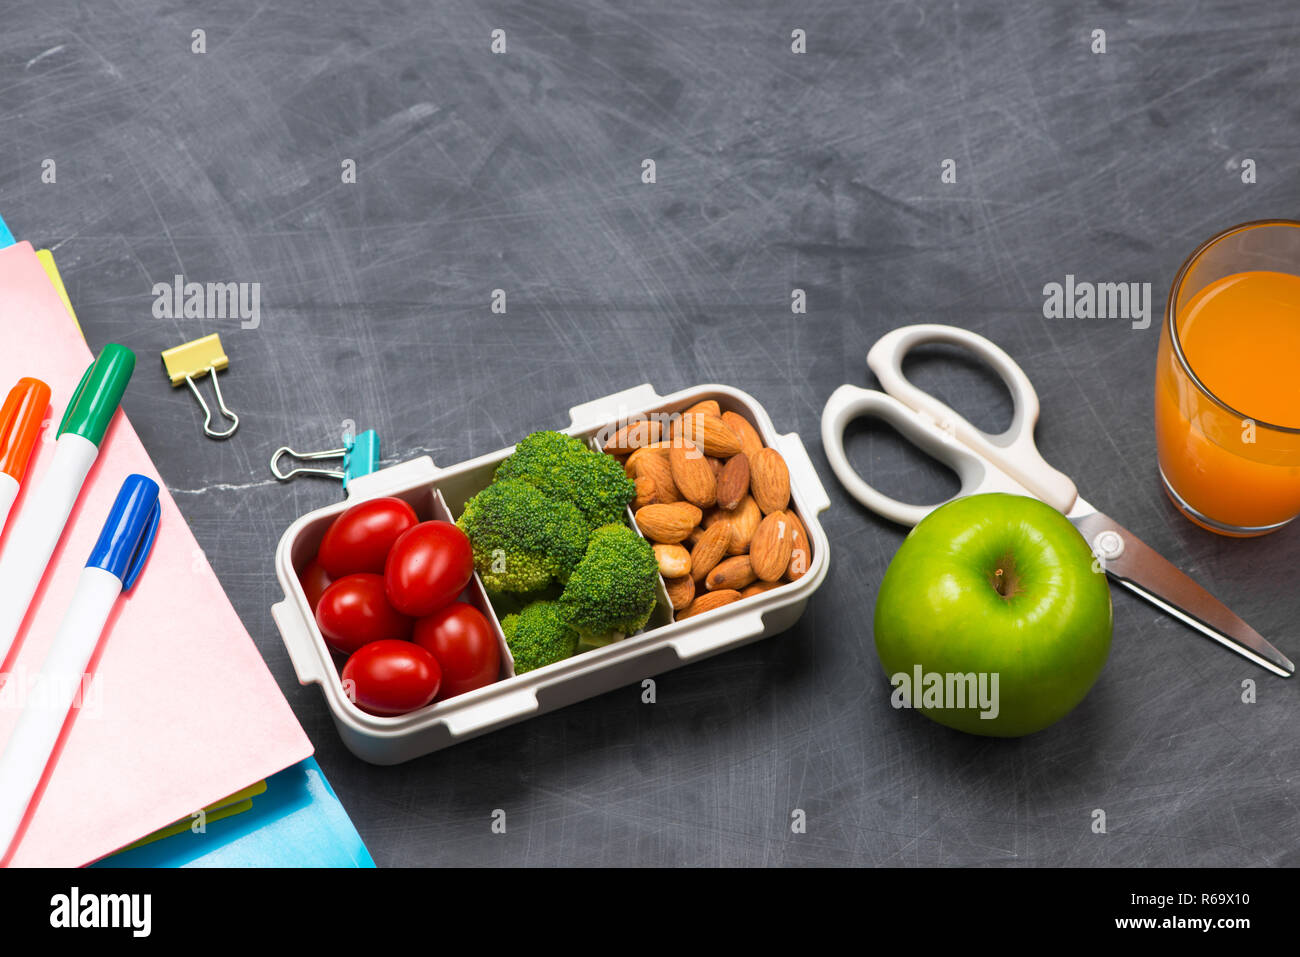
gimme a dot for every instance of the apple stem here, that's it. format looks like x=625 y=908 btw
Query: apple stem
x=1004 y=579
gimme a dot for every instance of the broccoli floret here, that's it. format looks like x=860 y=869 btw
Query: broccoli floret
x=565 y=469
x=538 y=636
x=522 y=539
x=614 y=588
x=513 y=602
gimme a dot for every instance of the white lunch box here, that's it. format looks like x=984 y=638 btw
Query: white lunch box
x=664 y=644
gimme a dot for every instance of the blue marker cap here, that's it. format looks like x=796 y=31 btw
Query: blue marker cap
x=129 y=533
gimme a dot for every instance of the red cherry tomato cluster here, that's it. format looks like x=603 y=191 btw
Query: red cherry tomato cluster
x=383 y=588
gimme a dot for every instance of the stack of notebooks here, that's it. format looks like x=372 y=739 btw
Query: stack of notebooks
x=185 y=751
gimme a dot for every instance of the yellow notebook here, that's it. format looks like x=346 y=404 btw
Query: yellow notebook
x=47 y=263
x=237 y=803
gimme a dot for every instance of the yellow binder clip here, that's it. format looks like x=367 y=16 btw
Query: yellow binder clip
x=194 y=360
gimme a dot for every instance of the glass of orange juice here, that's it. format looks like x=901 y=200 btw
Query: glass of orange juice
x=1228 y=381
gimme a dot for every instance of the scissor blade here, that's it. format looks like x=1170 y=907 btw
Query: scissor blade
x=1142 y=570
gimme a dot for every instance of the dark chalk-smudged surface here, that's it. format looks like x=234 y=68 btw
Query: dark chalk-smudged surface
x=775 y=171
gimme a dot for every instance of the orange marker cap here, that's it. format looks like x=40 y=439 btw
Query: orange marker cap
x=20 y=424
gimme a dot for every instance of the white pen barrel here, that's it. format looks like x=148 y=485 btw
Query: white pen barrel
x=8 y=493
x=37 y=529
x=47 y=705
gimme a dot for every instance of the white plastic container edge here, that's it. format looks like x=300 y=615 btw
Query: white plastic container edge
x=391 y=740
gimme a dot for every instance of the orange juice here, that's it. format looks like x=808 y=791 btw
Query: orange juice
x=1228 y=434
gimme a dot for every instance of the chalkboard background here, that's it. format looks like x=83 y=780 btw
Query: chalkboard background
x=775 y=171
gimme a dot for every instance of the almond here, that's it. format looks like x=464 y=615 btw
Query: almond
x=733 y=573
x=634 y=435
x=657 y=469
x=743 y=519
x=709 y=601
x=710 y=433
x=668 y=523
x=770 y=550
x=657 y=450
x=692 y=474
x=647 y=493
x=716 y=464
x=710 y=549
x=800 y=552
x=733 y=481
x=692 y=539
x=674 y=561
x=769 y=481
x=750 y=443
x=681 y=591
x=758 y=588
x=708 y=407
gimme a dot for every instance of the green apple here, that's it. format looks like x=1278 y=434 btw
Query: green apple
x=991 y=618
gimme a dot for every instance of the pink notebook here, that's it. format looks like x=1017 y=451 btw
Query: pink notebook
x=181 y=710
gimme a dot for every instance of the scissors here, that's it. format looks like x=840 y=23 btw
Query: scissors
x=1010 y=462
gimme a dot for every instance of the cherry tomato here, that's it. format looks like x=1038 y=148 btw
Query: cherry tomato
x=391 y=677
x=428 y=567
x=465 y=646
x=314 y=580
x=353 y=612
x=360 y=538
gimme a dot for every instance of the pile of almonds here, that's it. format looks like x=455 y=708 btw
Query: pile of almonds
x=715 y=504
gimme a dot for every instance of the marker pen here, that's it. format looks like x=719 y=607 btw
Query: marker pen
x=20 y=425
x=114 y=565
x=39 y=524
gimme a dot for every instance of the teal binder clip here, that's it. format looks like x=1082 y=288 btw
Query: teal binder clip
x=360 y=455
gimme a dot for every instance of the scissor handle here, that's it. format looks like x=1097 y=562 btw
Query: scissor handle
x=1012 y=451
x=849 y=402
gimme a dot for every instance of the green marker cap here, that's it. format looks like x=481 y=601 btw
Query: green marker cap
x=99 y=393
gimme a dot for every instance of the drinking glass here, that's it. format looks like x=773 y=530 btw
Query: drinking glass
x=1225 y=469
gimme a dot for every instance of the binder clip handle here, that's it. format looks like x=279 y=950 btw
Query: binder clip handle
x=194 y=360
x=360 y=457
x=207 y=413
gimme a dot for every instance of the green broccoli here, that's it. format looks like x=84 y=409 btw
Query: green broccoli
x=522 y=539
x=566 y=469
x=614 y=588
x=513 y=602
x=538 y=636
